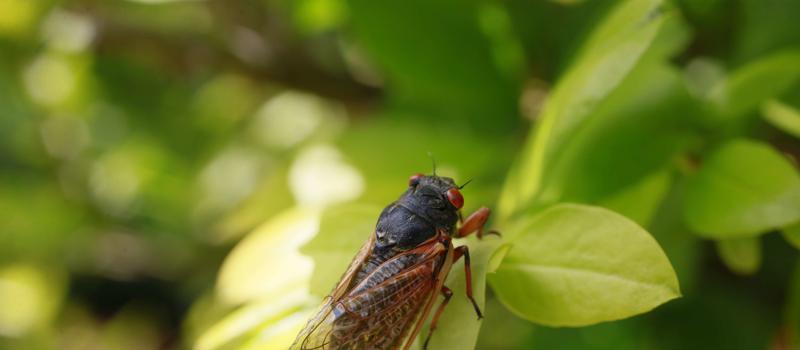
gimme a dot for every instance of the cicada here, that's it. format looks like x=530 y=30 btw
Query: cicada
x=390 y=287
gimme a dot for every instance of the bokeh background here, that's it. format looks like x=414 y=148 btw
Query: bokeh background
x=150 y=148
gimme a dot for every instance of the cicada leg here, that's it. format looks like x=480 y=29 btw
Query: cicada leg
x=475 y=223
x=447 y=293
x=457 y=254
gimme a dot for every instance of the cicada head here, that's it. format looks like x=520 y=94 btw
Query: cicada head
x=436 y=198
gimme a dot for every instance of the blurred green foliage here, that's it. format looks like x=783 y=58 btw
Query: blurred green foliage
x=166 y=164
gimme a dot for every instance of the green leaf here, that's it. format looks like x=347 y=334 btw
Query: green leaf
x=343 y=230
x=792 y=235
x=253 y=268
x=607 y=56
x=268 y=313
x=755 y=82
x=741 y=255
x=782 y=116
x=743 y=189
x=575 y=265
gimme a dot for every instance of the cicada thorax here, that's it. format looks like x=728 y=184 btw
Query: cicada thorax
x=400 y=229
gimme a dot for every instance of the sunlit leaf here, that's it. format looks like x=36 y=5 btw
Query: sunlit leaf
x=343 y=230
x=267 y=262
x=741 y=255
x=267 y=313
x=278 y=335
x=575 y=265
x=743 y=189
x=782 y=116
x=607 y=56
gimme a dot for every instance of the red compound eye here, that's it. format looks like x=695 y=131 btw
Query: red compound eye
x=414 y=179
x=455 y=198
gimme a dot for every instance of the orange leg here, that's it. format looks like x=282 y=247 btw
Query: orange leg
x=475 y=223
x=457 y=254
x=447 y=293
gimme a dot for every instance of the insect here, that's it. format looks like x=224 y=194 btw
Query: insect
x=391 y=285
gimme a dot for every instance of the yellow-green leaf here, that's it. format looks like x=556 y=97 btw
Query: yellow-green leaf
x=343 y=230
x=575 y=265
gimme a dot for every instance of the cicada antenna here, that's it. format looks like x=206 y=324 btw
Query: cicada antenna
x=433 y=161
x=465 y=184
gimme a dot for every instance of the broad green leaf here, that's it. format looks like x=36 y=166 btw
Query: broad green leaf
x=265 y=314
x=743 y=189
x=607 y=56
x=278 y=335
x=459 y=327
x=270 y=197
x=782 y=116
x=741 y=255
x=792 y=235
x=575 y=265
x=343 y=230
x=751 y=84
x=267 y=262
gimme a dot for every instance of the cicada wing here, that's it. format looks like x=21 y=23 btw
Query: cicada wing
x=316 y=334
x=344 y=285
x=317 y=331
x=382 y=316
